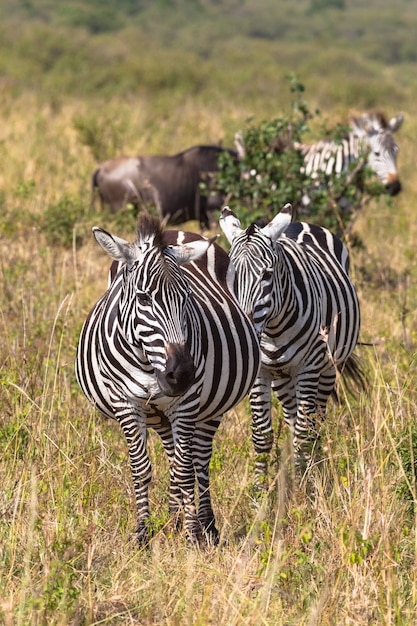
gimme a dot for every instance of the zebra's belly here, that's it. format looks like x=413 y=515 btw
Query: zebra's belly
x=286 y=359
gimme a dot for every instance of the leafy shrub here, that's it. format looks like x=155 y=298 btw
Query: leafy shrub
x=59 y=221
x=270 y=174
x=103 y=135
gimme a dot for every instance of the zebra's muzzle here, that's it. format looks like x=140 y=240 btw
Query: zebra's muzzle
x=393 y=187
x=179 y=373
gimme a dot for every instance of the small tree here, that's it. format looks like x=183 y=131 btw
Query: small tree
x=270 y=173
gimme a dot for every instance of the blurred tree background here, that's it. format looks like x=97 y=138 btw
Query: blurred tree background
x=350 y=53
x=142 y=76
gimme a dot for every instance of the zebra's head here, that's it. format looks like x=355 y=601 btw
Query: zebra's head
x=155 y=304
x=377 y=134
x=253 y=261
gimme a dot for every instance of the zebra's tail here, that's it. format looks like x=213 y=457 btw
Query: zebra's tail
x=353 y=376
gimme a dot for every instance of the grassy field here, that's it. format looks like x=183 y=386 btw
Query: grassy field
x=345 y=553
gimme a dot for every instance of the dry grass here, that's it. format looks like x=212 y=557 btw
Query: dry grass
x=341 y=551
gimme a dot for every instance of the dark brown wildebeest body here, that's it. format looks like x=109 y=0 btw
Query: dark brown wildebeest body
x=171 y=183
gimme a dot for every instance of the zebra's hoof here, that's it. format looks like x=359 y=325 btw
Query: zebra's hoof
x=142 y=535
x=211 y=534
x=195 y=540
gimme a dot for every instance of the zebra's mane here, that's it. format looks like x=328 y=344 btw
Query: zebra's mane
x=380 y=117
x=251 y=230
x=373 y=116
x=149 y=228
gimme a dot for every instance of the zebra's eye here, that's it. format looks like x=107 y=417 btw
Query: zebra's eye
x=377 y=154
x=143 y=298
x=267 y=275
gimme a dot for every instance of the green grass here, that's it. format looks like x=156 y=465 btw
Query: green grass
x=342 y=551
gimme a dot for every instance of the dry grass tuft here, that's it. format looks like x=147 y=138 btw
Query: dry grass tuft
x=339 y=550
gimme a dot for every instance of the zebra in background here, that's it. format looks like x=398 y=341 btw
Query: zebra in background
x=292 y=280
x=167 y=347
x=370 y=142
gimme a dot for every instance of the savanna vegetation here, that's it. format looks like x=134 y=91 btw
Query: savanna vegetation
x=82 y=81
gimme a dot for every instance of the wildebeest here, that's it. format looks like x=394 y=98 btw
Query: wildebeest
x=171 y=183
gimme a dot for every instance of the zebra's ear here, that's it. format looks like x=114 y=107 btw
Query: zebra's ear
x=276 y=227
x=187 y=252
x=395 y=122
x=117 y=248
x=229 y=224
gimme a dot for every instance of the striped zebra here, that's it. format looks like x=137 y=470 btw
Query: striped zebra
x=292 y=280
x=167 y=347
x=370 y=139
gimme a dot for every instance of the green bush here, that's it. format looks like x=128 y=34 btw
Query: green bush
x=103 y=134
x=270 y=174
x=59 y=222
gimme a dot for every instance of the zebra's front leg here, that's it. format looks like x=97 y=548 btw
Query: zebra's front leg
x=262 y=433
x=202 y=451
x=184 y=477
x=310 y=415
x=175 y=496
x=134 y=429
x=284 y=389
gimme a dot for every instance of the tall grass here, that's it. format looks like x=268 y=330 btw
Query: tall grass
x=340 y=550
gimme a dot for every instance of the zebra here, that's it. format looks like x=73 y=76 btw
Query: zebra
x=370 y=142
x=168 y=347
x=292 y=280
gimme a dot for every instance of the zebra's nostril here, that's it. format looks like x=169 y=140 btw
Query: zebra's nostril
x=394 y=187
x=171 y=380
x=179 y=373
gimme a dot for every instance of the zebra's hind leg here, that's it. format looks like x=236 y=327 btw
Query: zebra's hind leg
x=202 y=452
x=134 y=429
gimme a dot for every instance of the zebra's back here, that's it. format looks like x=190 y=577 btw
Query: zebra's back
x=317 y=237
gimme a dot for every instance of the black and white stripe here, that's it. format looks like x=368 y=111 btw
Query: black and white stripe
x=168 y=347
x=292 y=280
x=370 y=138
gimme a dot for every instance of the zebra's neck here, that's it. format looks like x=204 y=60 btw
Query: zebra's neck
x=291 y=311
